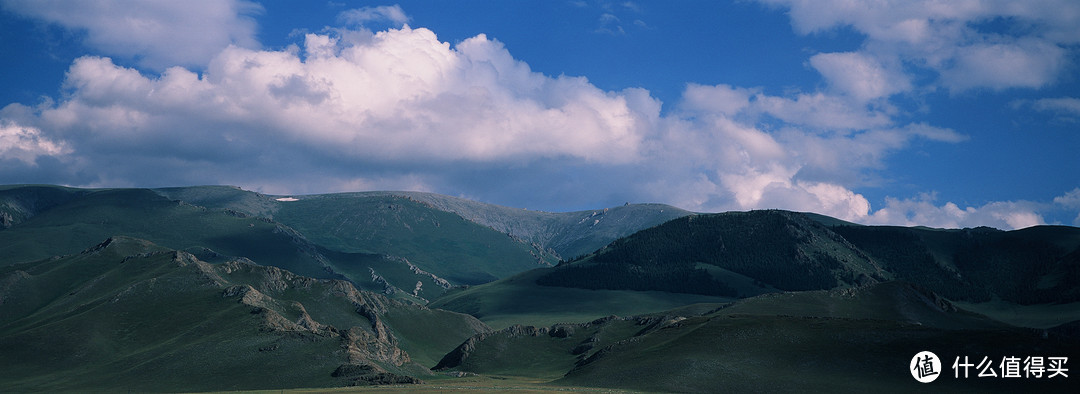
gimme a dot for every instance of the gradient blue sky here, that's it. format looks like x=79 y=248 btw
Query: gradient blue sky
x=945 y=114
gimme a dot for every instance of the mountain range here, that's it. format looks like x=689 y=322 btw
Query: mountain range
x=218 y=288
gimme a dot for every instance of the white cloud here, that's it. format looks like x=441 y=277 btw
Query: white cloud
x=1070 y=199
x=398 y=95
x=858 y=75
x=1069 y=106
x=157 y=34
x=399 y=109
x=1026 y=63
x=922 y=211
x=1070 y=202
x=948 y=38
x=26 y=144
x=845 y=157
x=360 y=16
x=718 y=99
x=819 y=110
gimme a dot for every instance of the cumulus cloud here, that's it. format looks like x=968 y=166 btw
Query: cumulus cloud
x=401 y=109
x=858 y=75
x=820 y=110
x=721 y=99
x=923 y=211
x=725 y=159
x=1029 y=63
x=365 y=109
x=402 y=93
x=26 y=144
x=948 y=38
x=1066 y=108
x=1070 y=201
x=846 y=156
x=386 y=13
x=156 y=34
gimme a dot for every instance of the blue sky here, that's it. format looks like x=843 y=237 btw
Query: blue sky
x=944 y=114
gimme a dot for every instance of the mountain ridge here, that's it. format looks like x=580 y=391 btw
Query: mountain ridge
x=378 y=287
x=112 y=310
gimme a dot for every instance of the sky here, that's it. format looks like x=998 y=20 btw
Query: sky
x=918 y=112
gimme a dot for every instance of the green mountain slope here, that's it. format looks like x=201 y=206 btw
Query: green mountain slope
x=713 y=258
x=716 y=254
x=19 y=203
x=176 y=300
x=410 y=245
x=436 y=241
x=519 y=300
x=565 y=234
x=87 y=217
x=844 y=340
x=130 y=315
x=1029 y=266
x=748 y=253
x=48 y=221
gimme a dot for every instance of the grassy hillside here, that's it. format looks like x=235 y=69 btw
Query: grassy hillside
x=1030 y=266
x=744 y=353
x=439 y=242
x=410 y=245
x=21 y=202
x=176 y=299
x=390 y=250
x=224 y=198
x=697 y=254
x=852 y=340
x=87 y=217
x=519 y=300
x=564 y=234
x=130 y=315
x=748 y=253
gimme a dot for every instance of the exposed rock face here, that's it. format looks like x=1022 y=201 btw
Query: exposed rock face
x=458 y=355
x=388 y=288
x=366 y=375
x=443 y=283
x=7 y=220
x=361 y=344
x=562 y=331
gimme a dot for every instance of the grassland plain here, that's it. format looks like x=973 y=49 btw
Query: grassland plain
x=451 y=384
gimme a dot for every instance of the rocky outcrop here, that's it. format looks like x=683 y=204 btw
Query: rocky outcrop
x=458 y=355
x=388 y=288
x=416 y=270
x=367 y=374
x=361 y=344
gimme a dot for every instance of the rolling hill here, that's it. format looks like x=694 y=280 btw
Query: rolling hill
x=408 y=245
x=1028 y=266
x=719 y=257
x=218 y=288
x=837 y=341
x=703 y=253
x=718 y=254
x=130 y=315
